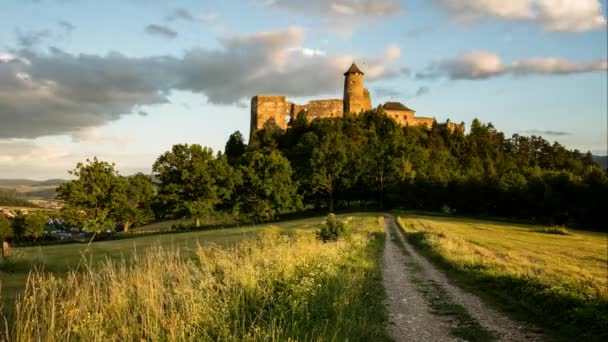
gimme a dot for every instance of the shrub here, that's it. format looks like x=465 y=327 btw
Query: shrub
x=558 y=230
x=332 y=229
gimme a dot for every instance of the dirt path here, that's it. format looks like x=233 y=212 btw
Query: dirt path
x=424 y=306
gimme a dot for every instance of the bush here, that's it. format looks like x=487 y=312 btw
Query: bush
x=332 y=229
x=558 y=230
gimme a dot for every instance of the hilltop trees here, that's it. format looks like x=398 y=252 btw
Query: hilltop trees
x=267 y=188
x=193 y=182
x=360 y=160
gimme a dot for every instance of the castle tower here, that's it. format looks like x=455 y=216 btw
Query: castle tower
x=356 y=97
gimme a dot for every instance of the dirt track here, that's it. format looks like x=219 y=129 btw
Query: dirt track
x=417 y=292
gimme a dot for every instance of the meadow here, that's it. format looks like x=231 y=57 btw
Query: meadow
x=271 y=282
x=554 y=278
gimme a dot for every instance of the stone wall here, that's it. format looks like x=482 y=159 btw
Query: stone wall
x=401 y=116
x=324 y=109
x=454 y=127
x=269 y=111
x=422 y=121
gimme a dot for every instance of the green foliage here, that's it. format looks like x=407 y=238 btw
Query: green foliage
x=235 y=148
x=34 y=224
x=135 y=207
x=8 y=197
x=6 y=229
x=266 y=188
x=332 y=230
x=95 y=197
x=193 y=182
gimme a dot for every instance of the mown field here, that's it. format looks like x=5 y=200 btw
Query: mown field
x=270 y=282
x=559 y=282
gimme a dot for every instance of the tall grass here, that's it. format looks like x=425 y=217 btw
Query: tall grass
x=275 y=288
x=555 y=281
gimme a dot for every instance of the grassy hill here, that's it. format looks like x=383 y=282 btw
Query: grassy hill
x=31 y=189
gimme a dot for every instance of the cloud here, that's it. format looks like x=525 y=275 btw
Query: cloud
x=186 y=15
x=546 y=132
x=90 y=135
x=60 y=93
x=66 y=25
x=31 y=38
x=422 y=91
x=386 y=92
x=161 y=31
x=417 y=32
x=12 y=151
x=180 y=14
x=484 y=64
x=340 y=16
x=552 y=15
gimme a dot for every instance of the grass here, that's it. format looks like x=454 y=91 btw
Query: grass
x=559 y=282
x=276 y=282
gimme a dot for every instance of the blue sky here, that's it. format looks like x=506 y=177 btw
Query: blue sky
x=125 y=80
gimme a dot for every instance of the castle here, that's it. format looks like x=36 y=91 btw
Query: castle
x=274 y=111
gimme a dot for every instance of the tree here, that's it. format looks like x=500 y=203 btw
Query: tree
x=192 y=181
x=235 y=148
x=35 y=223
x=136 y=202
x=95 y=196
x=267 y=187
x=328 y=162
x=6 y=233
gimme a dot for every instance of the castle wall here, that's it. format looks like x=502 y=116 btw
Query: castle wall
x=325 y=109
x=401 y=116
x=453 y=127
x=269 y=111
x=421 y=121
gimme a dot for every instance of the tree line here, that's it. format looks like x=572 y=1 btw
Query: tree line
x=362 y=161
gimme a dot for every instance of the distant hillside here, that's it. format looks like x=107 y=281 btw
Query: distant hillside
x=14 y=183
x=602 y=160
x=31 y=189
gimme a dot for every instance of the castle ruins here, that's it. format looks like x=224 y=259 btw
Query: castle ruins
x=275 y=111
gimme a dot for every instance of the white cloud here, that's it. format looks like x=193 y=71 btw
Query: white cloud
x=552 y=15
x=484 y=64
x=17 y=151
x=340 y=16
x=60 y=93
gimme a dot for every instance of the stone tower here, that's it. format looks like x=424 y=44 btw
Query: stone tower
x=356 y=97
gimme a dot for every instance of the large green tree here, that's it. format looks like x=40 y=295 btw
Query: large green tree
x=329 y=163
x=267 y=187
x=193 y=182
x=95 y=197
x=136 y=201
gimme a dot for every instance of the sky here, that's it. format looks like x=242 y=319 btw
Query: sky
x=124 y=80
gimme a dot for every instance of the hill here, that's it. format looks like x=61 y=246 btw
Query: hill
x=31 y=189
x=602 y=160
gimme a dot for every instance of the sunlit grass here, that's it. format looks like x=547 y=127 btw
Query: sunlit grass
x=283 y=284
x=558 y=280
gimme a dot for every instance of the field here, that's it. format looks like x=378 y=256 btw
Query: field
x=556 y=281
x=223 y=284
